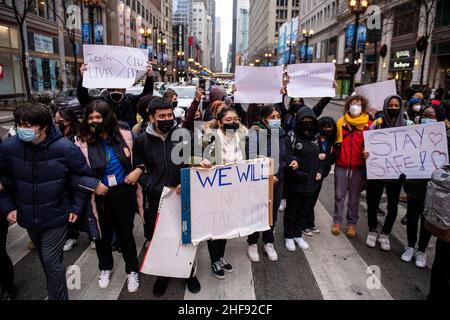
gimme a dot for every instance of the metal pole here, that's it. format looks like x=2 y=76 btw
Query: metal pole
x=91 y=18
x=307 y=46
x=354 y=44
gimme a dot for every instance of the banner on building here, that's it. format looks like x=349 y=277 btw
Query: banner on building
x=86 y=33
x=98 y=33
x=361 y=37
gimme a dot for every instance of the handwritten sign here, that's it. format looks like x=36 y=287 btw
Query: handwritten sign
x=376 y=93
x=309 y=80
x=415 y=151
x=113 y=66
x=258 y=84
x=225 y=202
x=166 y=255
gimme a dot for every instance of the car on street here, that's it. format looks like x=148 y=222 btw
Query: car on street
x=185 y=96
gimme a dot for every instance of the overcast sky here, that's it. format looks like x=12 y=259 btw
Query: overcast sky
x=224 y=10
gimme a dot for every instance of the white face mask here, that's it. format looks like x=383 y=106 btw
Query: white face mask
x=417 y=107
x=355 y=110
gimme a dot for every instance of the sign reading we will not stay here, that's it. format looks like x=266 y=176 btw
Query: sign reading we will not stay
x=415 y=151
x=113 y=66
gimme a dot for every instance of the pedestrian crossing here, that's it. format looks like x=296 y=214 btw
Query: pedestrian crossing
x=334 y=268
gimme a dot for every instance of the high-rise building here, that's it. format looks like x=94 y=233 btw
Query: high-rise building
x=182 y=10
x=218 y=67
x=199 y=28
x=242 y=24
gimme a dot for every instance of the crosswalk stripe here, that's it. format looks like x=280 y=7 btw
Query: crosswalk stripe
x=236 y=286
x=340 y=272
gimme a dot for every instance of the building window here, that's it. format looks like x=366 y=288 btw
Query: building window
x=406 y=20
x=12 y=75
x=9 y=37
x=442 y=13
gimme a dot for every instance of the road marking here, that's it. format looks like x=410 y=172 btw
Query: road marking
x=238 y=285
x=339 y=270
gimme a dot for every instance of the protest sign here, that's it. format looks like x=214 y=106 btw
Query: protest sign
x=166 y=255
x=258 y=85
x=415 y=151
x=376 y=93
x=310 y=80
x=225 y=202
x=113 y=66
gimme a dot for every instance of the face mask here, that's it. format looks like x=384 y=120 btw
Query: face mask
x=306 y=126
x=327 y=133
x=175 y=104
x=97 y=127
x=275 y=124
x=417 y=108
x=165 y=125
x=296 y=107
x=26 y=134
x=393 y=113
x=231 y=126
x=355 y=110
x=427 y=121
x=117 y=97
x=61 y=126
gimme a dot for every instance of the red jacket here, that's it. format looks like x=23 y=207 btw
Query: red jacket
x=350 y=152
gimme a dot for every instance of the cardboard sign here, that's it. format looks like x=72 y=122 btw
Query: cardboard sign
x=113 y=67
x=415 y=151
x=376 y=93
x=310 y=80
x=226 y=202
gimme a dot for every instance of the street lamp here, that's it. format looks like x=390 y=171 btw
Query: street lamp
x=268 y=57
x=357 y=7
x=91 y=5
x=307 y=34
x=146 y=33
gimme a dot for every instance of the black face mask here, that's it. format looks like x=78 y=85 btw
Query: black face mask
x=117 y=97
x=306 y=126
x=296 y=107
x=165 y=125
x=231 y=126
x=97 y=127
x=61 y=126
x=175 y=104
x=327 y=133
x=393 y=113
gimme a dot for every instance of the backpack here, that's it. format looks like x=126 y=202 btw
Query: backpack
x=437 y=204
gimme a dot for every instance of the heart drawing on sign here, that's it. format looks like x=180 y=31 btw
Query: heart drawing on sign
x=435 y=138
x=439 y=159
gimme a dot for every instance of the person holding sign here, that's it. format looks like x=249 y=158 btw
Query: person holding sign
x=124 y=105
x=227 y=147
x=302 y=178
x=349 y=173
x=108 y=150
x=392 y=116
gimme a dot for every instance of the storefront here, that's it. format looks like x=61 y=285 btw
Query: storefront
x=11 y=76
x=401 y=67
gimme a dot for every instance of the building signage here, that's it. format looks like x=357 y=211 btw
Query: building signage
x=43 y=43
x=402 y=60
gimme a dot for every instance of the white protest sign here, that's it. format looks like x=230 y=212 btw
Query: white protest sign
x=310 y=80
x=258 y=84
x=166 y=255
x=415 y=151
x=113 y=66
x=376 y=93
x=225 y=202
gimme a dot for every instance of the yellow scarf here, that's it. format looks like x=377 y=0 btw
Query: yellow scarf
x=359 y=123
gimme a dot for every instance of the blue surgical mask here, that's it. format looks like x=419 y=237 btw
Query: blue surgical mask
x=26 y=134
x=275 y=124
x=427 y=121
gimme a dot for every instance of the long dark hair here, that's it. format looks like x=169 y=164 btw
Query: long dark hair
x=69 y=115
x=110 y=122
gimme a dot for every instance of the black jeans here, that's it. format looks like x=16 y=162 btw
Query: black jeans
x=216 y=249
x=374 y=193
x=116 y=212
x=49 y=245
x=440 y=273
x=6 y=266
x=414 y=213
x=267 y=236
x=150 y=215
x=297 y=214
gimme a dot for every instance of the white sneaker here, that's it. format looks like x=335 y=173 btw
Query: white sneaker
x=92 y=245
x=421 y=259
x=315 y=230
x=385 y=244
x=308 y=232
x=371 y=241
x=70 y=243
x=105 y=279
x=302 y=243
x=290 y=245
x=282 y=205
x=271 y=253
x=409 y=254
x=253 y=253
x=133 y=282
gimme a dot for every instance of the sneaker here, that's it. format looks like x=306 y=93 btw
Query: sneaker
x=271 y=253
x=70 y=243
x=253 y=253
x=160 y=286
x=408 y=255
x=290 y=245
x=133 y=282
x=351 y=232
x=193 y=285
x=404 y=220
x=315 y=230
x=218 y=270
x=282 y=205
x=31 y=246
x=385 y=244
x=421 y=259
x=301 y=243
x=92 y=245
x=371 y=241
x=226 y=266
x=105 y=279
x=307 y=232
x=336 y=229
